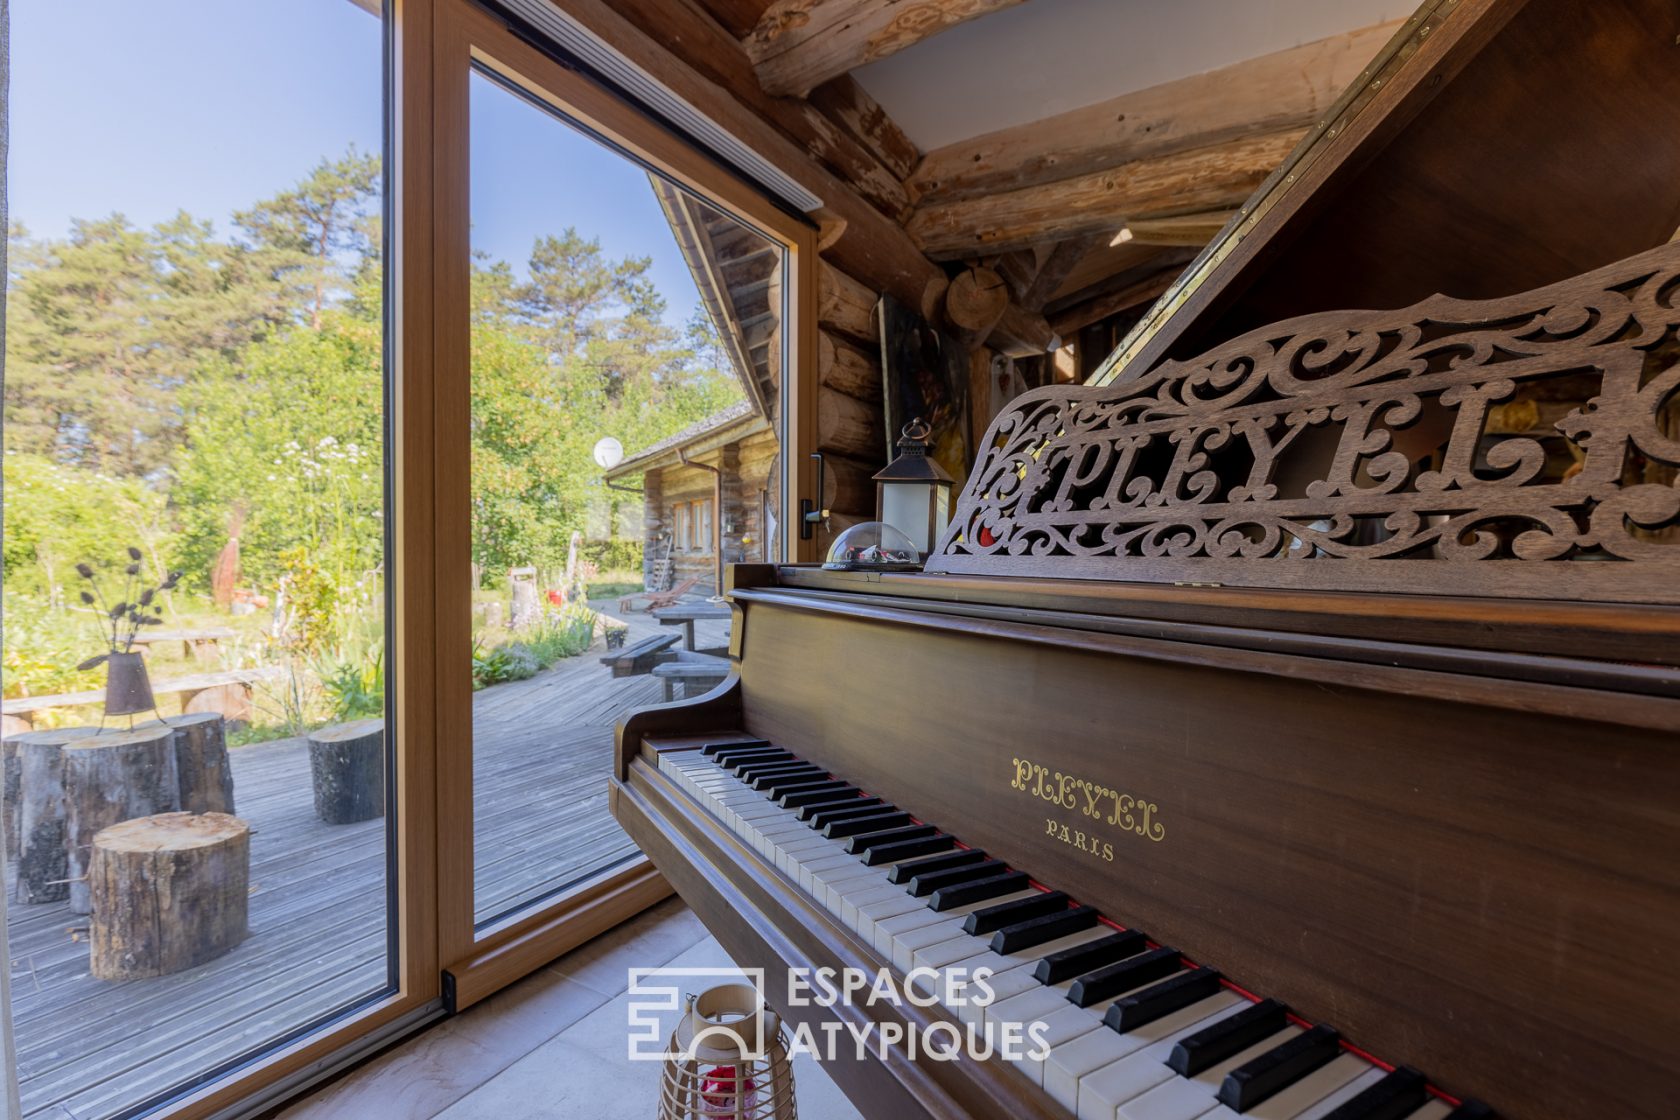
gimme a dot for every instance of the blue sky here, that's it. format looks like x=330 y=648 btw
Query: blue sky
x=209 y=105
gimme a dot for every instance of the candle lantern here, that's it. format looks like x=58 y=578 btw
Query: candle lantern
x=913 y=492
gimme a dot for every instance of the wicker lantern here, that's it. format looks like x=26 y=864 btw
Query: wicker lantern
x=728 y=1061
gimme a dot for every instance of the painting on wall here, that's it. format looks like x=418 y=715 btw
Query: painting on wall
x=925 y=374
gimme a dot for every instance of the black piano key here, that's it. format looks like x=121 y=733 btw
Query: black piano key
x=911 y=868
x=748 y=770
x=1278 y=1068
x=1471 y=1110
x=740 y=754
x=978 y=890
x=819 y=817
x=799 y=796
x=929 y=881
x=1398 y=1095
x=860 y=843
x=750 y=774
x=907 y=849
x=770 y=783
x=711 y=750
x=866 y=822
x=1077 y=961
x=1227 y=1038
x=993 y=918
x=1128 y=1013
x=731 y=759
x=1123 y=976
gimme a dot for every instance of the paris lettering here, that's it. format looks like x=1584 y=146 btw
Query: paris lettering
x=1125 y=811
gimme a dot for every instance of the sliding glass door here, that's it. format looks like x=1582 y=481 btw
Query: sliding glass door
x=383 y=400
x=197 y=829
x=626 y=369
x=619 y=349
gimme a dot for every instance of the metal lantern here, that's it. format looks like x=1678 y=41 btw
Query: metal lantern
x=728 y=1060
x=913 y=492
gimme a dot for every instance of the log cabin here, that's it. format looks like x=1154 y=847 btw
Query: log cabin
x=1282 y=721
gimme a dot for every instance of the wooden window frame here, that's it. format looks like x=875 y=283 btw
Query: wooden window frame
x=479 y=961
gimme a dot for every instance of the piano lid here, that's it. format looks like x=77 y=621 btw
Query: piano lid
x=1493 y=147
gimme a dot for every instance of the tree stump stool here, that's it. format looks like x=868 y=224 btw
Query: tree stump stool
x=11 y=787
x=113 y=777
x=43 y=868
x=347 y=768
x=201 y=761
x=169 y=892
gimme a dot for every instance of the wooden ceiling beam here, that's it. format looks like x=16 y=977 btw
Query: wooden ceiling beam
x=849 y=105
x=800 y=44
x=738 y=17
x=1145 y=290
x=1277 y=92
x=691 y=32
x=1058 y=266
x=868 y=245
x=1192 y=230
x=1214 y=178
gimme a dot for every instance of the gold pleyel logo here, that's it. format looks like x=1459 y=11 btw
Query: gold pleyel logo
x=1093 y=800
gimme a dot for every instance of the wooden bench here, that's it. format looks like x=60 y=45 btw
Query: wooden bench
x=642 y=657
x=696 y=673
x=198 y=644
x=227 y=694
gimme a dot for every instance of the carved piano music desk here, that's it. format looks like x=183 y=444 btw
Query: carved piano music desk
x=1289 y=720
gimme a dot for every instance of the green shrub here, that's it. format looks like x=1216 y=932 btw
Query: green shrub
x=563 y=633
x=354 y=683
x=614 y=554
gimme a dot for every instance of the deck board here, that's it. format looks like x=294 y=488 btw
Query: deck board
x=542 y=750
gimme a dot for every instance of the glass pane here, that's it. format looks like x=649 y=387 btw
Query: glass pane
x=194 y=444
x=626 y=371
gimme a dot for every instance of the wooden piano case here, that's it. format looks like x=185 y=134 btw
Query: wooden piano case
x=1336 y=648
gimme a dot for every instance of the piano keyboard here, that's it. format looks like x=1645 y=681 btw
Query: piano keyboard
x=1134 y=1031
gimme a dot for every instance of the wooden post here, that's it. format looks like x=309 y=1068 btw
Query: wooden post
x=201 y=762
x=347 y=768
x=42 y=868
x=169 y=892
x=110 y=778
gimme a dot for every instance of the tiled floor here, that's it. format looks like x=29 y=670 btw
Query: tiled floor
x=551 y=1046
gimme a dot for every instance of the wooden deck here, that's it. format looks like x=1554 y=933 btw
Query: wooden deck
x=88 y=1048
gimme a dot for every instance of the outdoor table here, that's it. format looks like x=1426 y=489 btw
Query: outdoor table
x=687 y=614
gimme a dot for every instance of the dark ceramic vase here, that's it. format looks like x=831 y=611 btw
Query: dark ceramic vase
x=128 y=689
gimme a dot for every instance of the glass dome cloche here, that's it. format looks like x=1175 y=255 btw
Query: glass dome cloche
x=872 y=546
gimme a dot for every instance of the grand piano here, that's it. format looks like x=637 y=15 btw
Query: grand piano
x=1289 y=720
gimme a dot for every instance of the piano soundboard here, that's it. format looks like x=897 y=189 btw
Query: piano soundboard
x=1134 y=1030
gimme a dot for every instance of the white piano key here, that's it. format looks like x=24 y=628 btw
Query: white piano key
x=1069 y=1066
x=1003 y=985
x=1185 y=1098
x=1341 y=1096
x=1308 y=1091
x=1060 y=1028
x=852 y=900
x=944 y=926
x=810 y=869
x=1434 y=1110
x=871 y=913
